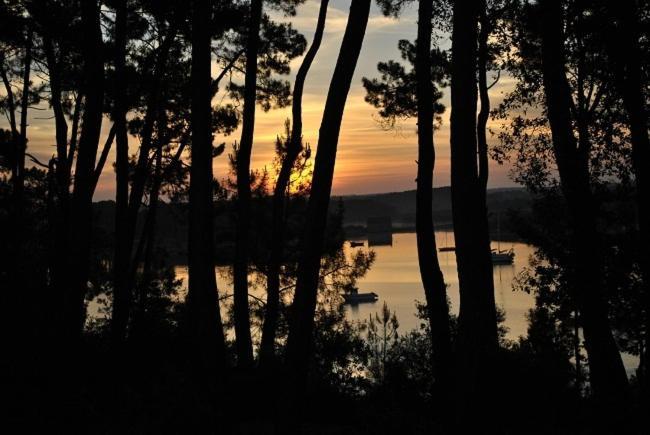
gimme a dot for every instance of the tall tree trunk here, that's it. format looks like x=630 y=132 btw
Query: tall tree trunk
x=477 y=331
x=17 y=162
x=61 y=125
x=299 y=343
x=484 y=112
x=74 y=134
x=244 y=345
x=21 y=145
x=607 y=373
x=122 y=256
x=61 y=172
x=629 y=73
x=18 y=180
x=203 y=321
x=10 y=101
x=11 y=278
x=79 y=230
x=279 y=196
x=22 y=289
x=149 y=235
x=129 y=203
x=432 y=279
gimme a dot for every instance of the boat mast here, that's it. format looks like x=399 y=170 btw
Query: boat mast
x=498 y=232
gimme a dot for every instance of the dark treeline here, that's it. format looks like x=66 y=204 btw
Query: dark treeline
x=101 y=334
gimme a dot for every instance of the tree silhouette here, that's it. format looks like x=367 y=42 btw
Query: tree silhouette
x=242 y=319
x=16 y=69
x=100 y=330
x=608 y=378
x=402 y=94
x=477 y=334
x=203 y=321
x=129 y=201
x=74 y=278
x=299 y=341
x=294 y=148
x=121 y=295
x=276 y=39
x=432 y=279
x=628 y=71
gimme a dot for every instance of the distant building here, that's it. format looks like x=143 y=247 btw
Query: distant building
x=380 y=231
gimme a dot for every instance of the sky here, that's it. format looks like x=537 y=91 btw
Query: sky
x=369 y=159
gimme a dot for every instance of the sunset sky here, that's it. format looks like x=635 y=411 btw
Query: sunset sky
x=370 y=160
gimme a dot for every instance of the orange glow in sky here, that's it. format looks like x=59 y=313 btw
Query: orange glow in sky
x=369 y=159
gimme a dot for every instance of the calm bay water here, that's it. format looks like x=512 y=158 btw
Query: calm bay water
x=395 y=277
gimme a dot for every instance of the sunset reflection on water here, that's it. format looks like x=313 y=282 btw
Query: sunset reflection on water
x=395 y=277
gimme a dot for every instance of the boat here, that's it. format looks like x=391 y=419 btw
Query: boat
x=503 y=257
x=354 y=297
x=356 y=244
x=500 y=256
x=447 y=248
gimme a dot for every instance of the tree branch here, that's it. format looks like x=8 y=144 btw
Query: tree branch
x=104 y=155
x=35 y=160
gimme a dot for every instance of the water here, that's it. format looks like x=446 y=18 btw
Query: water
x=395 y=277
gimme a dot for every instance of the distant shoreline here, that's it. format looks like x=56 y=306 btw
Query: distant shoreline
x=356 y=233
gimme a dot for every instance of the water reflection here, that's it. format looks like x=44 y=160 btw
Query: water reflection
x=395 y=277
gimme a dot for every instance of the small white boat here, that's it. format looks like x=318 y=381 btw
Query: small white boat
x=503 y=257
x=357 y=298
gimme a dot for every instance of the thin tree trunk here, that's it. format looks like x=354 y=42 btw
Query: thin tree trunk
x=484 y=112
x=10 y=101
x=432 y=279
x=61 y=125
x=21 y=145
x=16 y=299
x=476 y=341
x=148 y=233
x=203 y=320
x=299 y=344
x=243 y=345
x=103 y=157
x=61 y=213
x=129 y=204
x=62 y=170
x=279 y=196
x=74 y=134
x=18 y=181
x=629 y=75
x=14 y=242
x=122 y=254
x=140 y=250
x=607 y=373
x=12 y=282
x=79 y=230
